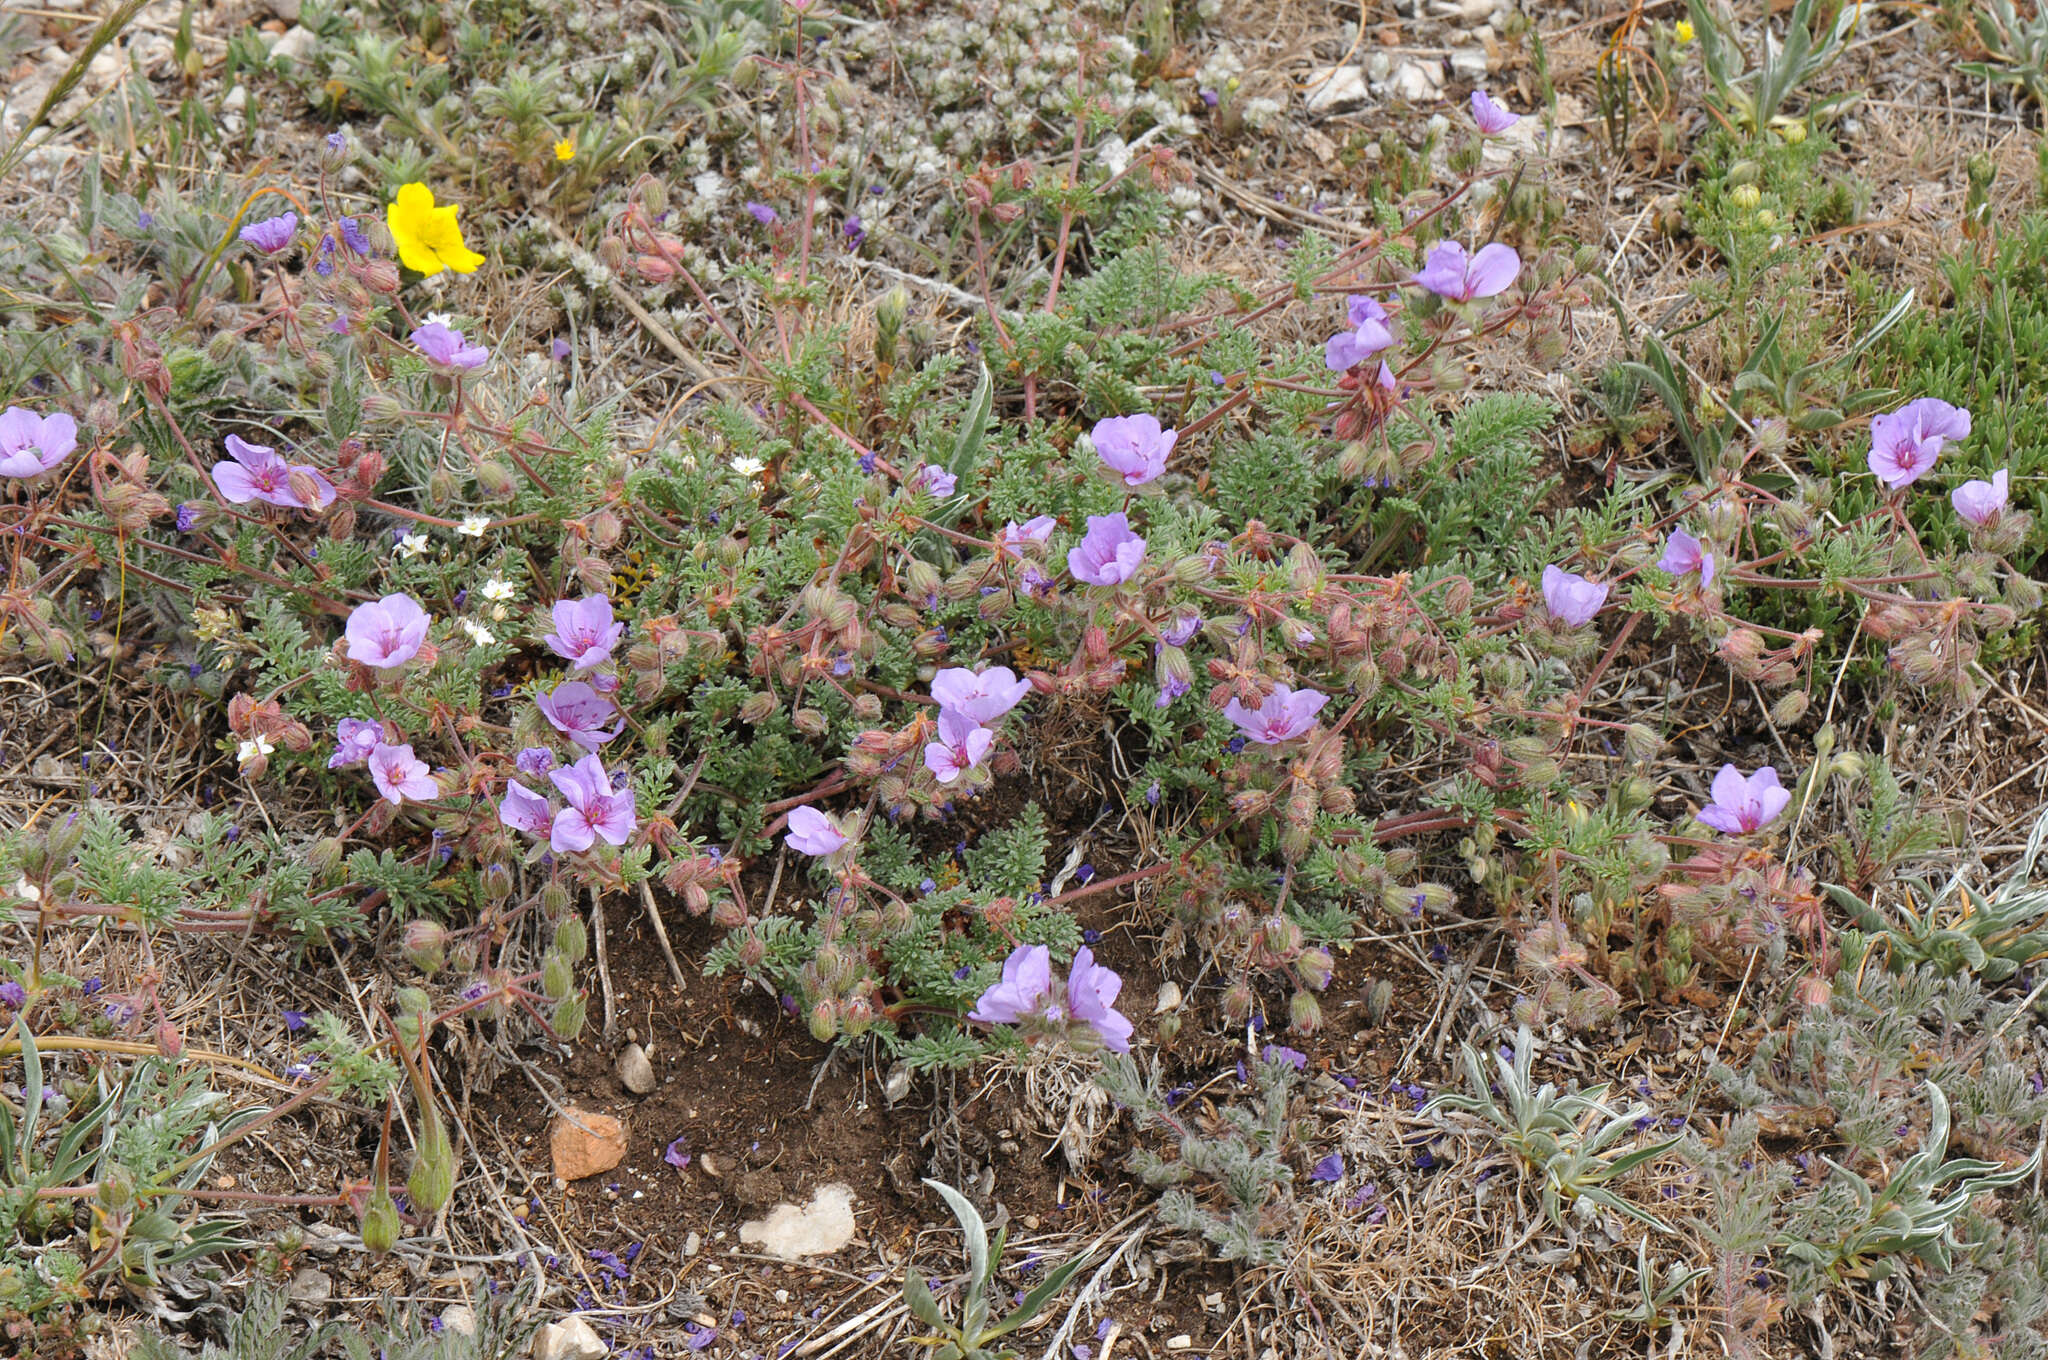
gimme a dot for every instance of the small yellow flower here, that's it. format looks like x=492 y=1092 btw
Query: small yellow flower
x=565 y=150
x=1683 y=31
x=429 y=239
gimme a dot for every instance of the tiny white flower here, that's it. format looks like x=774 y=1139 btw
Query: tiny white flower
x=253 y=748
x=473 y=526
x=499 y=590
x=748 y=467
x=441 y=317
x=412 y=545
x=480 y=635
x=27 y=890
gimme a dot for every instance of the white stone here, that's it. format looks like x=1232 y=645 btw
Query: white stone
x=298 y=43
x=570 y=1339
x=791 y=1234
x=1417 y=82
x=459 y=1318
x=237 y=99
x=1469 y=62
x=636 y=1072
x=1335 y=87
x=311 y=1286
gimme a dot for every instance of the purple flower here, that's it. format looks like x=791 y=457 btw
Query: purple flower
x=558 y=349
x=1027 y=981
x=535 y=761
x=525 y=810
x=1741 y=805
x=811 y=832
x=337 y=142
x=13 y=995
x=1905 y=443
x=983 y=698
x=354 y=740
x=1285 y=714
x=387 y=632
x=1981 y=502
x=856 y=234
x=188 y=516
x=1109 y=554
x=446 y=349
x=675 y=1156
x=595 y=809
x=294 y=1021
x=1491 y=117
x=1369 y=334
x=1091 y=996
x=272 y=234
x=31 y=445
x=1035 y=530
x=399 y=776
x=1330 y=1168
x=1684 y=553
x=936 y=480
x=1280 y=1053
x=578 y=712
x=1570 y=597
x=1134 y=447
x=259 y=474
x=697 y=1338
x=584 y=631
x=354 y=238
x=1449 y=272
x=762 y=213
x=1181 y=630
x=962 y=745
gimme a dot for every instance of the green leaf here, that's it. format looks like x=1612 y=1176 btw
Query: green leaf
x=918 y=1295
x=1027 y=1307
x=971 y=1228
x=967 y=449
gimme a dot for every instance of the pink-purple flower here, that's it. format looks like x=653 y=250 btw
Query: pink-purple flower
x=595 y=811
x=936 y=480
x=1905 y=443
x=579 y=712
x=982 y=698
x=525 y=810
x=1133 y=447
x=258 y=473
x=811 y=832
x=445 y=348
x=1026 y=994
x=1283 y=715
x=1491 y=117
x=387 y=632
x=1742 y=805
x=1108 y=554
x=1571 y=598
x=1981 y=502
x=1037 y=529
x=962 y=745
x=585 y=632
x=354 y=740
x=272 y=234
x=1027 y=978
x=1683 y=553
x=1450 y=273
x=398 y=775
x=1091 y=998
x=31 y=445
x=1369 y=334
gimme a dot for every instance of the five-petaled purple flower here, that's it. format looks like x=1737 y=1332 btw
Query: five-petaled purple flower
x=811 y=832
x=936 y=480
x=1369 y=334
x=1034 y=530
x=259 y=473
x=584 y=631
x=398 y=775
x=1285 y=714
x=13 y=995
x=1905 y=444
x=525 y=810
x=982 y=698
x=1450 y=273
x=31 y=445
x=1329 y=1169
x=1571 y=598
x=272 y=234
x=762 y=213
x=579 y=712
x=354 y=740
x=1108 y=554
x=1684 y=553
x=594 y=810
x=1981 y=502
x=1491 y=117
x=534 y=760
x=1742 y=805
x=963 y=744
x=1133 y=447
x=446 y=349
x=675 y=1156
x=387 y=632
x=1026 y=993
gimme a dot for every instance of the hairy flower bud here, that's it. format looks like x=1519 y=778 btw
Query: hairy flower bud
x=1237 y=1002
x=425 y=945
x=1304 y=1013
x=1315 y=967
x=495 y=480
x=824 y=1022
x=568 y=1016
x=809 y=721
x=379 y=276
x=757 y=707
x=432 y=1182
x=380 y=1223
x=557 y=978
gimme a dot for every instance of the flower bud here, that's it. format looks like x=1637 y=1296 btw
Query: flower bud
x=612 y=252
x=432 y=1182
x=1379 y=998
x=809 y=721
x=572 y=938
x=557 y=978
x=169 y=1041
x=117 y=1190
x=757 y=707
x=595 y=573
x=63 y=837
x=1745 y=197
x=380 y=1223
x=1304 y=1013
x=568 y=1016
x=824 y=1022
x=425 y=945
x=1237 y=1002
x=495 y=480
x=554 y=899
x=497 y=882
x=379 y=276
x=1315 y=967
x=856 y=1016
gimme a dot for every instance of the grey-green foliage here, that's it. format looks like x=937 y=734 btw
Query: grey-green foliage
x=260 y=1330
x=1573 y=1142
x=2016 y=48
x=1752 y=96
x=974 y=1335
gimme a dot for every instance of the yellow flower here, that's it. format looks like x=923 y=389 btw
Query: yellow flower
x=1683 y=32
x=565 y=150
x=429 y=239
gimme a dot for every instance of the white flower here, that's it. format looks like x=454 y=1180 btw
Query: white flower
x=499 y=590
x=412 y=545
x=480 y=635
x=748 y=467
x=473 y=526
x=441 y=317
x=27 y=890
x=254 y=748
